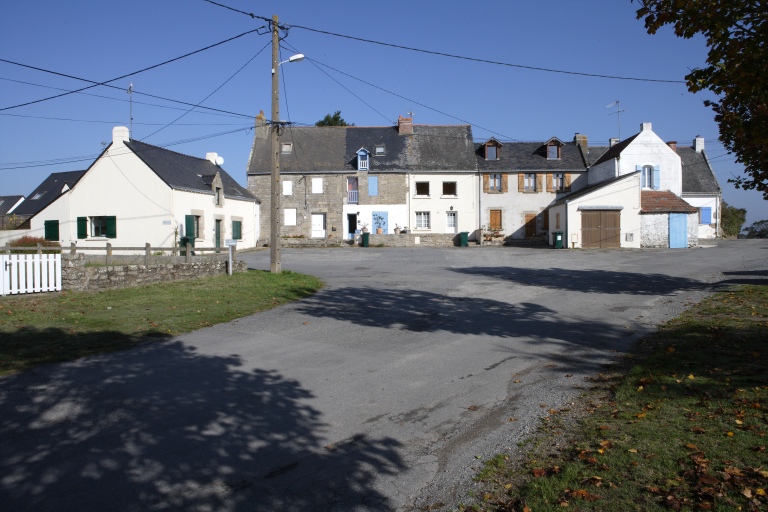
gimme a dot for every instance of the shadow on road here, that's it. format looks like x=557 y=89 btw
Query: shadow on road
x=162 y=427
x=756 y=277
x=589 y=281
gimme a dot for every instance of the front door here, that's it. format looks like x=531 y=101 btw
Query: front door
x=351 y=225
x=678 y=231
x=318 y=225
x=530 y=225
x=450 y=222
x=217 y=235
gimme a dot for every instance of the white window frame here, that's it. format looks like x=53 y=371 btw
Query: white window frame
x=362 y=161
x=286 y=148
x=95 y=226
x=494 y=182
x=529 y=182
x=289 y=216
x=287 y=187
x=416 y=188
x=423 y=220
x=380 y=150
x=317 y=185
x=455 y=189
x=558 y=181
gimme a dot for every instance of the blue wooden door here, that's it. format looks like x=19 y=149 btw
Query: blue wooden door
x=678 y=231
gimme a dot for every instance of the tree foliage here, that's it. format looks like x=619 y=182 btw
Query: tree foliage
x=732 y=219
x=333 y=120
x=758 y=229
x=736 y=33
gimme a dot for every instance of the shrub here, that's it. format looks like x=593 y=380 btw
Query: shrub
x=32 y=241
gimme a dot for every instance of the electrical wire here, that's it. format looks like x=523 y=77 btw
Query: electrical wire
x=96 y=84
x=211 y=94
x=450 y=55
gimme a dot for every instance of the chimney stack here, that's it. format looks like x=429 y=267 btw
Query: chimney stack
x=698 y=144
x=211 y=157
x=262 y=128
x=673 y=145
x=405 y=125
x=581 y=140
x=645 y=126
x=120 y=134
x=612 y=142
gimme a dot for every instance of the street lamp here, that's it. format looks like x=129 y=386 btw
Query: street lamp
x=274 y=243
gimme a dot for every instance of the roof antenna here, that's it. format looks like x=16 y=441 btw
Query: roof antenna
x=410 y=114
x=130 y=100
x=618 y=112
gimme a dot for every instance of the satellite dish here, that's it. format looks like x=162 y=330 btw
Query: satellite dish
x=219 y=161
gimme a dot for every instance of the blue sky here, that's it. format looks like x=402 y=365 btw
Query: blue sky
x=371 y=84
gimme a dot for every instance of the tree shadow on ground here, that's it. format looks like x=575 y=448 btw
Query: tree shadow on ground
x=755 y=277
x=161 y=427
x=589 y=281
x=515 y=325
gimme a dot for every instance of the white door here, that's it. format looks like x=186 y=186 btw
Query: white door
x=450 y=222
x=318 y=225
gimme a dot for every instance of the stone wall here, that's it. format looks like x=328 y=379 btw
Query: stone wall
x=76 y=276
x=413 y=240
x=655 y=230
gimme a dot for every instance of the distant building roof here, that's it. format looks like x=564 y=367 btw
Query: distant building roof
x=184 y=172
x=48 y=191
x=588 y=190
x=530 y=156
x=8 y=202
x=663 y=201
x=615 y=150
x=698 y=176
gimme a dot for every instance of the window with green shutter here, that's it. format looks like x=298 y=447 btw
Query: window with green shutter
x=112 y=227
x=52 y=230
x=237 y=229
x=82 y=227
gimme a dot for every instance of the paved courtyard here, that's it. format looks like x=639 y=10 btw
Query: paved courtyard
x=378 y=393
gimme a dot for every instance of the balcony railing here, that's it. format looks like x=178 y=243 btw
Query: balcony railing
x=351 y=196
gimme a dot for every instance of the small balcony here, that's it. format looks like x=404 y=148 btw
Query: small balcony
x=352 y=197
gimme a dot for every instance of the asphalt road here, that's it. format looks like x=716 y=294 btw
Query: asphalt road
x=382 y=392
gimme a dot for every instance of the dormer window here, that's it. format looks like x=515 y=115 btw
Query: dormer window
x=492 y=149
x=362 y=159
x=554 y=148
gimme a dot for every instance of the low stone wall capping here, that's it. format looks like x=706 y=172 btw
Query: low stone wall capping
x=76 y=276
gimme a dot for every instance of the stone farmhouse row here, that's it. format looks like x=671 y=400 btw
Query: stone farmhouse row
x=426 y=179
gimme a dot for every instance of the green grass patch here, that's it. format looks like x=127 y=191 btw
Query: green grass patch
x=46 y=328
x=681 y=426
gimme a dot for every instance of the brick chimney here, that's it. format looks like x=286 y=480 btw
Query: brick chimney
x=262 y=128
x=405 y=125
x=673 y=145
x=581 y=140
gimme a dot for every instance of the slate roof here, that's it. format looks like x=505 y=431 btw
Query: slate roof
x=698 y=176
x=8 y=202
x=591 y=188
x=530 y=156
x=615 y=150
x=48 y=191
x=333 y=149
x=184 y=172
x=663 y=201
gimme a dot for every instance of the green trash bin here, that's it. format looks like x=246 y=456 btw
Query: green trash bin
x=558 y=239
x=366 y=239
x=464 y=238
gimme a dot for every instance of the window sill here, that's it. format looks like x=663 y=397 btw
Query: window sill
x=449 y=197
x=421 y=197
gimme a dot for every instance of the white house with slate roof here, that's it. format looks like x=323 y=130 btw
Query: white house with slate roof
x=135 y=193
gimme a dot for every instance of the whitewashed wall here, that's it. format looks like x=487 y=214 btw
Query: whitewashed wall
x=464 y=203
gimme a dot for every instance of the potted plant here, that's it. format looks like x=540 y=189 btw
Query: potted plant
x=378 y=221
x=364 y=227
x=397 y=229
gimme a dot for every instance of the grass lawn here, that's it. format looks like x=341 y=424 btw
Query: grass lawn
x=45 y=328
x=681 y=425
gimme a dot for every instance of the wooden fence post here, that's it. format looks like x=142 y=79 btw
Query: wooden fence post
x=73 y=248
x=109 y=254
x=39 y=248
x=188 y=253
x=146 y=254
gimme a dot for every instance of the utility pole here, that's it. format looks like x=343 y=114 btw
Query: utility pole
x=274 y=242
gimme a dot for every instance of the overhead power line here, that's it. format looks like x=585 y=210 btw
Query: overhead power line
x=96 y=84
x=450 y=55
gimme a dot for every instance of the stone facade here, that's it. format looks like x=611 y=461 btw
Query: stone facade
x=414 y=240
x=76 y=276
x=655 y=230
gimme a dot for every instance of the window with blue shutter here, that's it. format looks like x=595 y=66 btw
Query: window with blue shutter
x=656 y=177
x=373 y=185
x=705 y=215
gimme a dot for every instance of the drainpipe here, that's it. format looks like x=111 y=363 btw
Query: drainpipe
x=480 y=205
x=566 y=235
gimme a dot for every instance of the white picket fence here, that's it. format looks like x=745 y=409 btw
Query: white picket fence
x=29 y=273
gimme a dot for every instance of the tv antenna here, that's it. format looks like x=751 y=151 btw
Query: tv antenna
x=618 y=112
x=130 y=113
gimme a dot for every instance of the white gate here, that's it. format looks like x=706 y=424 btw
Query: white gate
x=29 y=273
